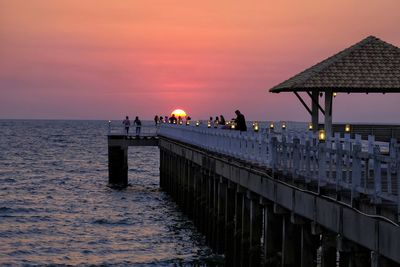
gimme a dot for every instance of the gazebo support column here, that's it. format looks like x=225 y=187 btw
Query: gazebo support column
x=314 y=110
x=328 y=112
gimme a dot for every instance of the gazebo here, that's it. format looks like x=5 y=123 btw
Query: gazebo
x=370 y=66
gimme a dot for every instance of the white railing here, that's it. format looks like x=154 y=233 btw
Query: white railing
x=359 y=166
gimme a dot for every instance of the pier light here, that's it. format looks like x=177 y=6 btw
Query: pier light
x=233 y=126
x=310 y=126
x=283 y=125
x=271 y=126
x=180 y=122
x=256 y=127
x=347 y=128
x=197 y=123
x=208 y=124
x=321 y=135
x=334 y=94
x=187 y=122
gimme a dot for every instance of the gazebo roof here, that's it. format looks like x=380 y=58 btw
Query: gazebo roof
x=371 y=65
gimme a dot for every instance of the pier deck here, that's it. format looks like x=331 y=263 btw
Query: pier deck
x=268 y=197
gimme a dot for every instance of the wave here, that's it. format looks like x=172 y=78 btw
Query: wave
x=102 y=221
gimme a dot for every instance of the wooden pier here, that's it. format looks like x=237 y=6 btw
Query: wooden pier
x=267 y=199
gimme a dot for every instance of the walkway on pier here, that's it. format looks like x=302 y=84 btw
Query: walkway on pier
x=345 y=192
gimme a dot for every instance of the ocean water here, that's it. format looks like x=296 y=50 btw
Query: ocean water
x=56 y=208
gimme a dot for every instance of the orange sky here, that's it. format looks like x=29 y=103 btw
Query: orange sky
x=98 y=59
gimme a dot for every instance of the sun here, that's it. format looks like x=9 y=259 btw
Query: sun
x=179 y=113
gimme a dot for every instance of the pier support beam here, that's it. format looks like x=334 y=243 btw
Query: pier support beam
x=272 y=237
x=230 y=224
x=255 y=231
x=291 y=243
x=309 y=246
x=328 y=112
x=314 y=110
x=221 y=211
x=118 y=165
x=239 y=199
x=246 y=225
x=328 y=250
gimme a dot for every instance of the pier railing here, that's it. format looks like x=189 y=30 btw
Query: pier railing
x=360 y=167
x=146 y=130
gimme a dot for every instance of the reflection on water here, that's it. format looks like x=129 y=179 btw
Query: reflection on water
x=56 y=208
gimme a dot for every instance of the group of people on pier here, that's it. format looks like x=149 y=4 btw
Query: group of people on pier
x=137 y=122
x=172 y=120
x=239 y=121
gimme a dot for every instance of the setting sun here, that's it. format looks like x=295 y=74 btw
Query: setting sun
x=179 y=113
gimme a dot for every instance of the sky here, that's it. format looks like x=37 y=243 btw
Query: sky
x=101 y=59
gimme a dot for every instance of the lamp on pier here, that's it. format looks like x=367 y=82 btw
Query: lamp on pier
x=334 y=94
x=347 y=128
x=256 y=127
x=180 y=122
x=310 y=126
x=321 y=135
x=197 y=123
x=271 y=126
x=283 y=125
x=233 y=126
x=187 y=122
x=208 y=124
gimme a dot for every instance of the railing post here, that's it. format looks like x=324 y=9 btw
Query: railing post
x=273 y=153
x=321 y=165
x=109 y=127
x=371 y=142
x=284 y=154
x=308 y=160
x=377 y=175
x=339 y=164
x=356 y=171
x=296 y=157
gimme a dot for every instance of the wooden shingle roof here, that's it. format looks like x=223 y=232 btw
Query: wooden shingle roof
x=371 y=65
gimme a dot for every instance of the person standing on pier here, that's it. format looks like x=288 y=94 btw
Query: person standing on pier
x=156 y=120
x=138 y=124
x=172 y=119
x=240 y=121
x=126 y=123
x=222 y=120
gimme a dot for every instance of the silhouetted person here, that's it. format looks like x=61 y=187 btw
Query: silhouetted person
x=161 y=119
x=126 y=123
x=222 y=120
x=166 y=119
x=216 y=122
x=172 y=119
x=240 y=121
x=156 y=120
x=138 y=124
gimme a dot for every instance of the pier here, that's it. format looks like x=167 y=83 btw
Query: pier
x=279 y=198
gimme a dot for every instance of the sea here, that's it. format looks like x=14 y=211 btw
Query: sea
x=56 y=208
